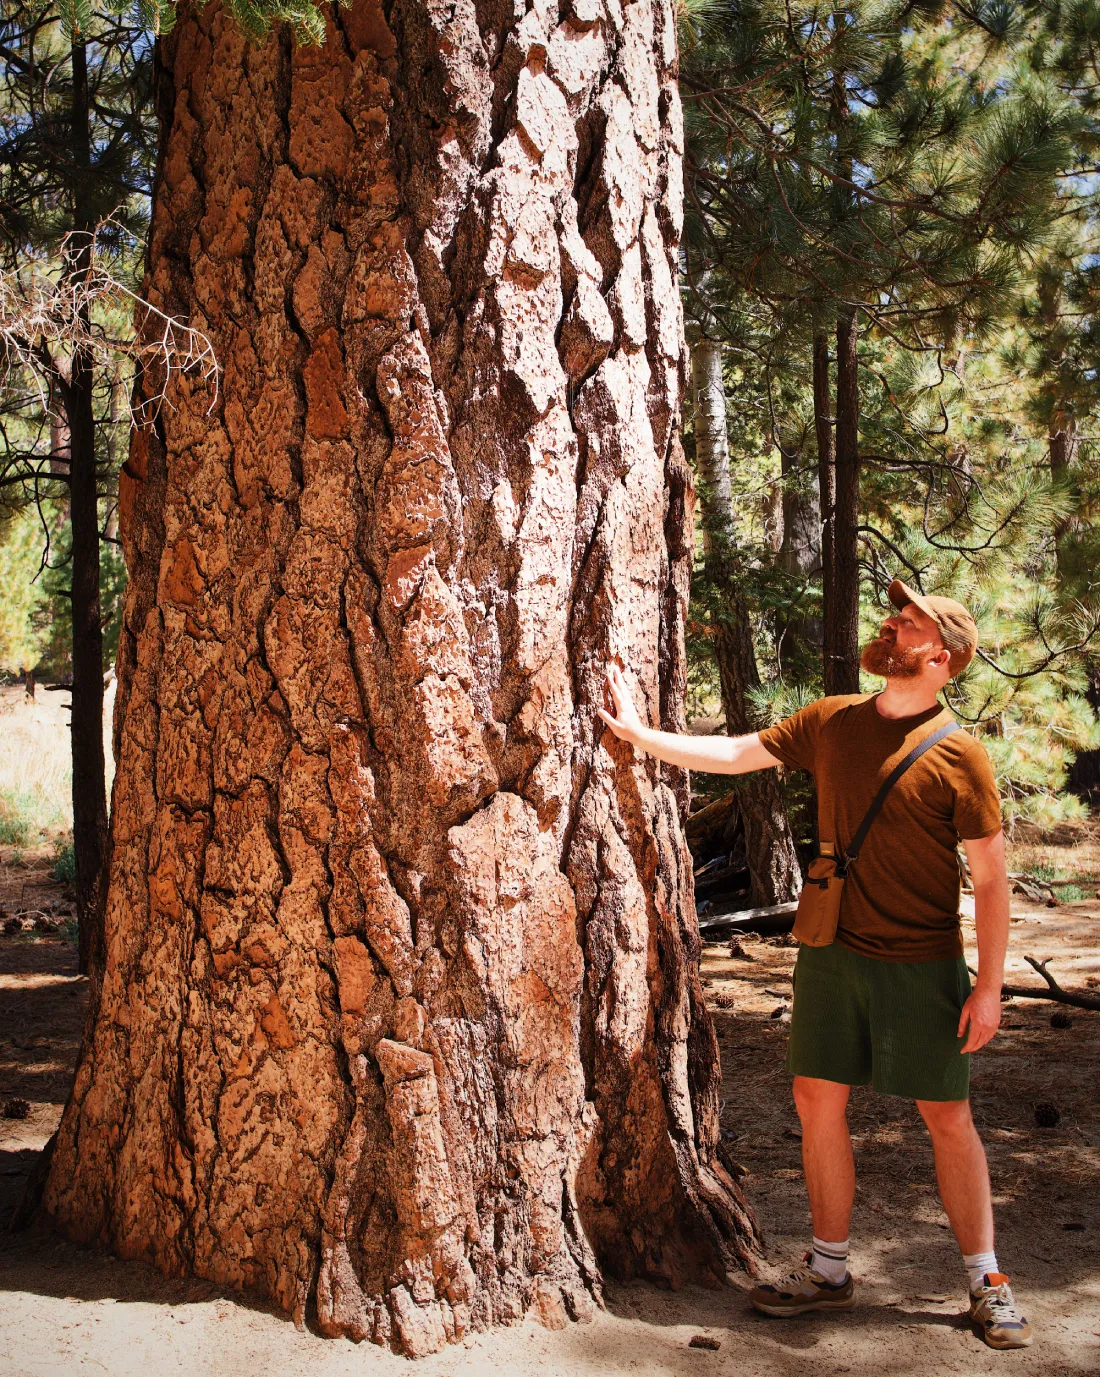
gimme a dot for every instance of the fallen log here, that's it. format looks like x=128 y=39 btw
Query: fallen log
x=1054 y=992
x=717 y=827
x=768 y=920
x=721 y=879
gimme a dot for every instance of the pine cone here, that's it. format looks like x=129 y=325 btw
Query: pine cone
x=1061 y=1020
x=1047 y=1116
x=17 y=1109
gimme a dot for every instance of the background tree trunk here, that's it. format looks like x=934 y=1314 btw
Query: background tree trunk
x=401 y=1006
x=800 y=555
x=769 y=843
x=826 y=490
x=842 y=665
x=1063 y=446
x=772 y=858
x=712 y=449
x=90 y=839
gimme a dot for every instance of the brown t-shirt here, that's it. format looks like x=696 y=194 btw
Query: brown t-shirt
x=901 y=897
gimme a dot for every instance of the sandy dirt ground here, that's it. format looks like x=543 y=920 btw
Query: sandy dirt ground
x=67 y=1310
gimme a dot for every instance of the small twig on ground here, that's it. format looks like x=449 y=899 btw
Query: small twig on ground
x=1054 y=992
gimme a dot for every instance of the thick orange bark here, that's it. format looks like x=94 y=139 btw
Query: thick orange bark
x=401 y=1009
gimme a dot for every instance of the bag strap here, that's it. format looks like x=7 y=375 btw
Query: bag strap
x=895 y=774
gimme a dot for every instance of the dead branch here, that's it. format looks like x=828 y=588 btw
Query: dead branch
x=1054 y=992
x=47 y=318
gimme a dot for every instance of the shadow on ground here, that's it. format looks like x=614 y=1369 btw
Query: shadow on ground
x=65 y=1308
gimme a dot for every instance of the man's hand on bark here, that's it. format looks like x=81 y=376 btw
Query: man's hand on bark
x=625 y=722
x=982 y=1011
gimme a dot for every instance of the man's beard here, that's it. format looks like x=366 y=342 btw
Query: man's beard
x=883 y=657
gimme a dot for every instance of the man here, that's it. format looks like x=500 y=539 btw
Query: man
x=889 y=1001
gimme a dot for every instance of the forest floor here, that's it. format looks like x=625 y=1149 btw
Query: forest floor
x=65 y=1309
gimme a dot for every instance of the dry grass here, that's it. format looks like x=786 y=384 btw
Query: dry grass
x=35 y=769
x=1067 y=855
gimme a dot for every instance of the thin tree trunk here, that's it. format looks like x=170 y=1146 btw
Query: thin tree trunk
x=769 y=843
x=90 y=841
x=1063 y=454
x=842 y=665
x=842 y=618
x=401 y=1008
x=712 y=453
x=118 y=436
x=800 y=556
x=773 y=860
x=826 y=488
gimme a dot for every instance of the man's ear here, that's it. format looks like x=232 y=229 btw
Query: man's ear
x=941 y=659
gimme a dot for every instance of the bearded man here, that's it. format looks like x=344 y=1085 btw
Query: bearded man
x=888 y=1002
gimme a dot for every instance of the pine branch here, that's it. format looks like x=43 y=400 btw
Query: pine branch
x=1052 y=655
x=871 y=530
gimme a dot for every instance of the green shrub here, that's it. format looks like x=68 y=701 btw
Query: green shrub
x=16 y=819
x=64 y=866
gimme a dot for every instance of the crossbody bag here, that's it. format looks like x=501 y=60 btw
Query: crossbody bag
x=818 y=913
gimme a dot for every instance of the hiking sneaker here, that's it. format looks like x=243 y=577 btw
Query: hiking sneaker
x=995 y=1314
x=803 y=1290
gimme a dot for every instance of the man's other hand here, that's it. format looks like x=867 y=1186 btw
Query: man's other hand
x=982 y=1011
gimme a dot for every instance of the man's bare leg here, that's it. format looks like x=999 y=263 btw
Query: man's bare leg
x=827 y=1154
x=961 y=1172
x=963 y=1177
x=831 y=1181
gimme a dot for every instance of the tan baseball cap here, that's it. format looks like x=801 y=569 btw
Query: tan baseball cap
x=958 y=629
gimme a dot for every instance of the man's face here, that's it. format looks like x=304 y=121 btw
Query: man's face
x=904 y=646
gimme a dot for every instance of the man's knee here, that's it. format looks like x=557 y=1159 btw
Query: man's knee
x=947 y=1118
x=818 y=1099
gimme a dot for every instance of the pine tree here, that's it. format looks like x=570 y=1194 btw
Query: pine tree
x=772 y=858
x=853 y=181
x=75 y=165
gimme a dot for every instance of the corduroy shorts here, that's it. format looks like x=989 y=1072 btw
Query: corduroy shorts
x=890 y=1024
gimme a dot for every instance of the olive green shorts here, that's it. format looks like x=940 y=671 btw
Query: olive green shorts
x=891 y=1024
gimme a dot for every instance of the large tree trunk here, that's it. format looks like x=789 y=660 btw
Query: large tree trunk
x=401 y=1006
x=842 y=664
x=90 y=840
x=772 y=858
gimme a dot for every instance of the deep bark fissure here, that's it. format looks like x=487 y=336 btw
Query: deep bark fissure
x=367 y=653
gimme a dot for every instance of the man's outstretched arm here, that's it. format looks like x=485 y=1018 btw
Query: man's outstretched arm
x=719 y=755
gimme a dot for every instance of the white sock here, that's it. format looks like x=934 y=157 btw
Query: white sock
x=979 y=1265
x=830 y=1260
